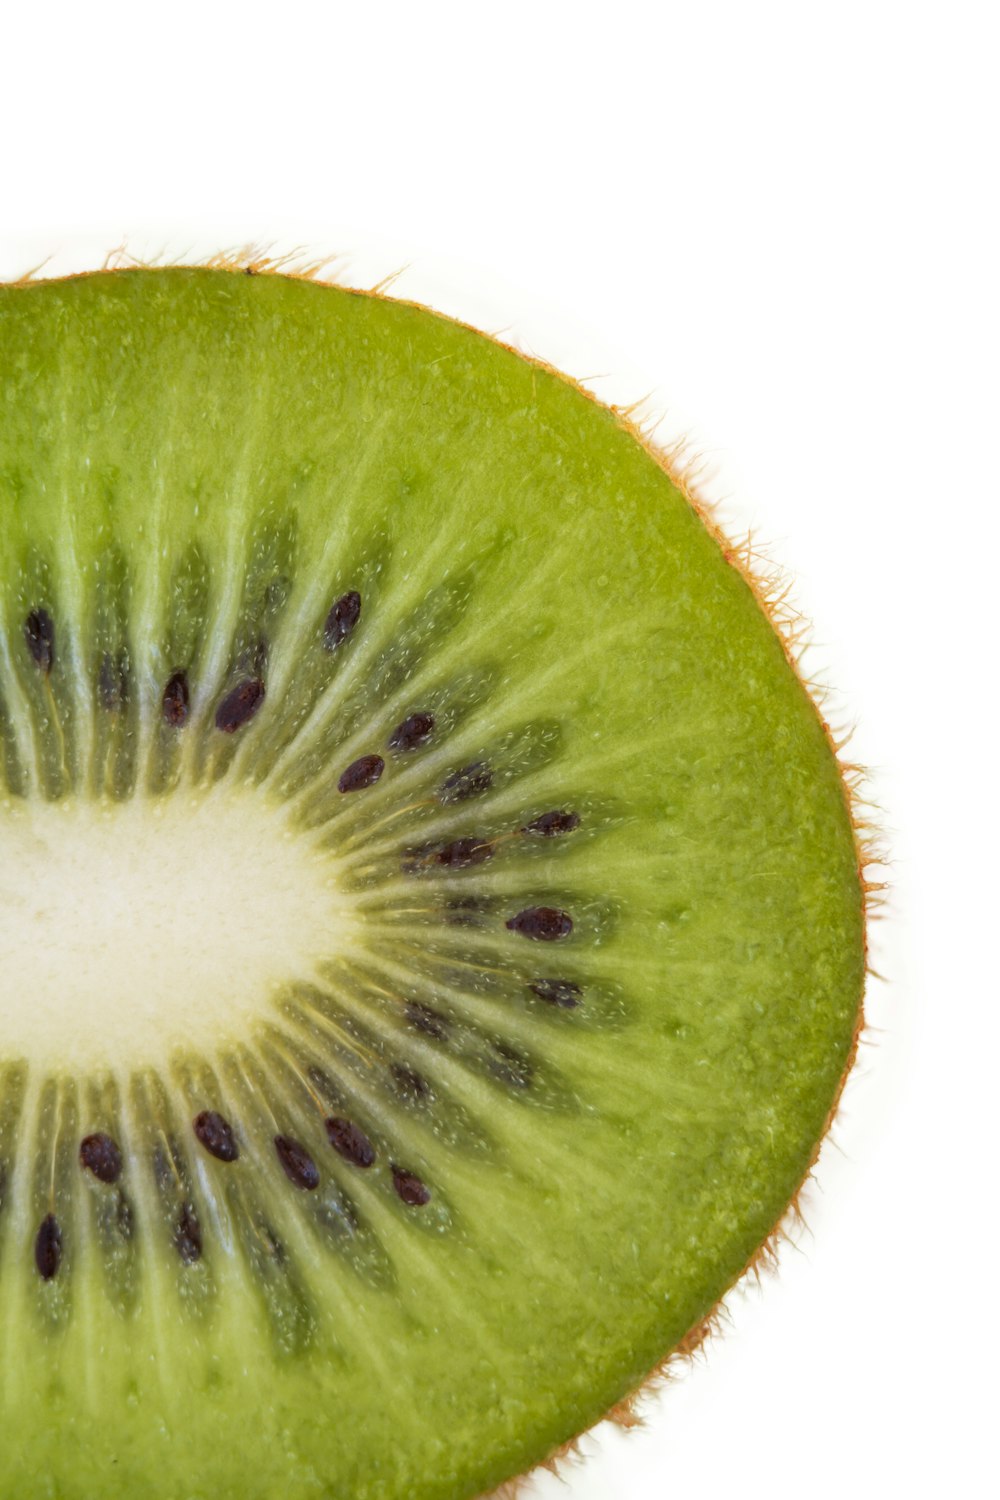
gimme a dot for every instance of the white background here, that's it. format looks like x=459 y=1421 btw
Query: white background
x=776 y=221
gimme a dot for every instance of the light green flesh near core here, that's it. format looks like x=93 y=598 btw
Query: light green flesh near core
x=194 y=467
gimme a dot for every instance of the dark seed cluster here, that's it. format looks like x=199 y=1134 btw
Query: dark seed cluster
x=412 y=733
x=461 y=853
x=562 y=992
x=299 y=1166
x=413 y=1191
x=341 y=620
x=361 y=773
x=549 y=824
x=48 y=1247
x=471 y=781
x=102 y=1156
x=176 y=700
x=239 y=705
x=187 y=1235
x=40 y=638
x=424 y=1033
x=350 y=1141
x=544 y=924
x=216 y=1135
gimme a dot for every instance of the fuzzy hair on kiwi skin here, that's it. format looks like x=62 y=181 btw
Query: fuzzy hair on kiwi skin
x=771 y=590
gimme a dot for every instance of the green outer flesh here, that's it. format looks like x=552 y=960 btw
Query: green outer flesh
x=739 y=937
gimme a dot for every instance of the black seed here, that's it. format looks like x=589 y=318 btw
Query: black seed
x=411 y=1188
x=298 y=1164
x=561 y=992
x=341 y=620
x=545 y=924
x=40 y=639
x=361 y=773
x=176 y=700
x=409 y=1083
x=426 y=1020
x=187 y=1235
x=511 y=1066
x=112 y=683
x=461 y=853
x=48 y=1247
x=239 y=706
x=216 y=1135
x=412 y=733
x=469 y=782
x=350 y=1140
x=100 y=1154
x=551 y=823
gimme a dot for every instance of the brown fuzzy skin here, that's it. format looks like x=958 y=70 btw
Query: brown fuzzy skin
x=772 y=592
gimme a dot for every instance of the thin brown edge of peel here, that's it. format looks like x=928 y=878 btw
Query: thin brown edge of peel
x=772 y=590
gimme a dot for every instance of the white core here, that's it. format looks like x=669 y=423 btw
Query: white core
x=128 y=931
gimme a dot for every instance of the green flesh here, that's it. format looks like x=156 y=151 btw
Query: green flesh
x=193 y=463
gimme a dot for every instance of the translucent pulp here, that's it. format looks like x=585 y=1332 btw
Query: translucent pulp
x=129 y=930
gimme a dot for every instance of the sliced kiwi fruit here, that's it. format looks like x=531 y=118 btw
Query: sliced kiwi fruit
x=431 y=913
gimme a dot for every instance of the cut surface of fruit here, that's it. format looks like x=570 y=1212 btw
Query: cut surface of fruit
x=130 y=931
x=431 y=917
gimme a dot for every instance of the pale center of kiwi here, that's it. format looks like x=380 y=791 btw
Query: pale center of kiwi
x=128 y=930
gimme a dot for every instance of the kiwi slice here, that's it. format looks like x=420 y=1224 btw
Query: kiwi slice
x=431 y=915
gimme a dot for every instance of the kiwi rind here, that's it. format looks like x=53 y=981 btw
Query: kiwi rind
x=524 y=1442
